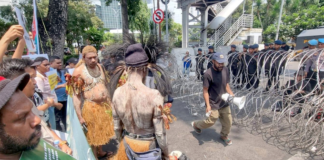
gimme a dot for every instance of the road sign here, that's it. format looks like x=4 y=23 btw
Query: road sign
x=158 y=16
x=165 y=1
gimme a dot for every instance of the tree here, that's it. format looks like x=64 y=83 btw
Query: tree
x=140 y=20
x=52 y=33
x=129 y=8
x=95 y=36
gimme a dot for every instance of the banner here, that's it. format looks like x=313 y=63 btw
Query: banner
x=76 y=138
x=45 y=151
x=35 y=28
x=22 y=21
x=52 y=78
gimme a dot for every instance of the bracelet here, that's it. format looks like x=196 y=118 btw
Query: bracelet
x=62 y=143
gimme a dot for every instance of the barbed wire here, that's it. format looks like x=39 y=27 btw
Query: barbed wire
x=279 y=107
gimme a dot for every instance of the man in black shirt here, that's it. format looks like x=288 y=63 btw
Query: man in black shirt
x=200 y=59
x=284 y=46
x=266 y=47
x=216 y=83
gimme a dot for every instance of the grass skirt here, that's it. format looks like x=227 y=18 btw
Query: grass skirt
x=99 y=120
x=136 y=145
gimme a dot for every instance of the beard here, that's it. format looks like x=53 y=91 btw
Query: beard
x=11 y=145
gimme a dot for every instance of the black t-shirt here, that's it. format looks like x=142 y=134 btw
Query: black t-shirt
x=216 y=83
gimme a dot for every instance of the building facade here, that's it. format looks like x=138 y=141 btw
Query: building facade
x=110 y=15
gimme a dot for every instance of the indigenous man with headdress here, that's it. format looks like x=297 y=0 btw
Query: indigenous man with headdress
x=88 y=84
x=138 y=111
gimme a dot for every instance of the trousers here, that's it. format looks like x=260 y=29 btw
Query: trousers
x=225 y=117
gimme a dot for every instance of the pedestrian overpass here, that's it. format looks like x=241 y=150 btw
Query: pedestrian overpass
x=214 y=16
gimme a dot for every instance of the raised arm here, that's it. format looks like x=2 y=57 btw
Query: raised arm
x=14 y=32
x=20 y=49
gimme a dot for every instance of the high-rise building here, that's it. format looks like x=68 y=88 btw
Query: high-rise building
x=110 y=15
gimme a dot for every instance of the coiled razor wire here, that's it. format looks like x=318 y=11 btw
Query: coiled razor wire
x=293 y=122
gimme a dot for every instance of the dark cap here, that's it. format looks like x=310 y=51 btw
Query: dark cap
x=233 y=46
x=246 y=46
x=73 y=60
x=211 y=47
x=256 y=46
x=266 y=44
x=219 y=57
x=8 y=87
x=283 y=42
x=278 y=42
x=36 y=63
x=252 y=46
x=199 y=49
x=270 y=44
x=135 y=56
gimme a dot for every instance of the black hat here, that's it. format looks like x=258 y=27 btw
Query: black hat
x=233 y=46
x=211 y=47
x=135 y=56
x=199 y=49
x=266 y=44
x=246 y=46
x=72 y=60
x=8 y=87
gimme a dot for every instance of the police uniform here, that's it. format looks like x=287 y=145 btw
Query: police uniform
x=230 y=52
x=310 y=65
x=273 y=66
x=321 y=60
x=250 y=69
x=209 y=55
x=200 y=59
x=285 y=47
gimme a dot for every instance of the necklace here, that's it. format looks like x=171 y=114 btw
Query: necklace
x=97 y=78
x=95 y=73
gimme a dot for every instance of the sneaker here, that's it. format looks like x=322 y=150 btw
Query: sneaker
x=227 y=140
x=197 y=130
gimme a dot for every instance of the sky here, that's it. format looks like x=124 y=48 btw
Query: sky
x=172 y=7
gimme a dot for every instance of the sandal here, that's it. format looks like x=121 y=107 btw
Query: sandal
x=227 y=140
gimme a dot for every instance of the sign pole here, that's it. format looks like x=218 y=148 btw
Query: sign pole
x=158 y=6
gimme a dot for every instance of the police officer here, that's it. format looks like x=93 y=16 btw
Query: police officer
x=250 y=68
x=200 y=59
x=273 y=65
x=256 y=48
x=209 y=55
x=311 y=63
x=233 y=49
x=271 y=47
x=321 y=58
x=241 y=73
x=266 y=47
x=285 y=46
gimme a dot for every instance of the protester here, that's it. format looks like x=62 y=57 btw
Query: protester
x=141 y=116
x=72 y=62
x=90 y=90
x=216 y=83
x=13 y=68
x=186 y=64
x=60 y=115
x=13 y=33
x=233 y=49
x=200 y=60
x=44 y=86
x=20 y=128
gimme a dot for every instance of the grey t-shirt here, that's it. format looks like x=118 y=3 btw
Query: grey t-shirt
x=216 y=83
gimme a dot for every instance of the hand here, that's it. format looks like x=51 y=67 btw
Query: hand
x=15 y=31
x=66 y=149
x=208 y=109
x=49 y=101
x=58 y=106
x=82 y=121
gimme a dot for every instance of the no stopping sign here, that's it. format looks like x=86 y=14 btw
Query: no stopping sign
x=158 y=16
